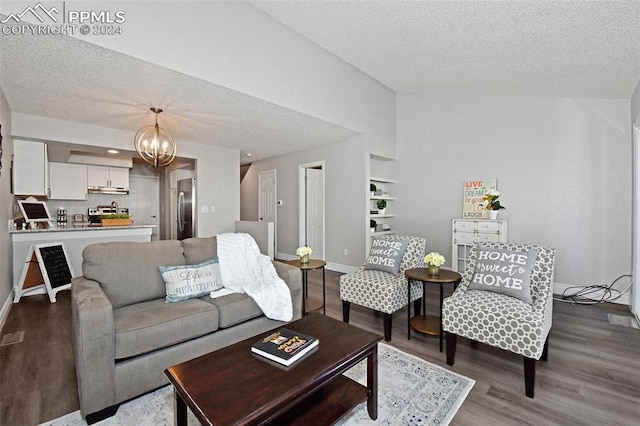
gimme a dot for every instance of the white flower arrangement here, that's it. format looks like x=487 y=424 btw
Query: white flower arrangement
x=304 y=251
x=434 y=258
x=492 y=202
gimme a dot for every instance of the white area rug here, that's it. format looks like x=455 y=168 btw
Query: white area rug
x=410 y=391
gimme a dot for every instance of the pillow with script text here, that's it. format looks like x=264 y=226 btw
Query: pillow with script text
x=504 y=271
x=386 y=255
x=190 y=281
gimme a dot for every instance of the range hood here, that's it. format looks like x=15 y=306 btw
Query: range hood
x=106 y=190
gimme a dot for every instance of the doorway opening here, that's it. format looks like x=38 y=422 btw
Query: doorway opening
x=312 y=212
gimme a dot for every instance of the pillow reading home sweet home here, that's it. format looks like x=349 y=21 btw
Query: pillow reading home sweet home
x=189 y=281
x=504 y=271
x=386 y=255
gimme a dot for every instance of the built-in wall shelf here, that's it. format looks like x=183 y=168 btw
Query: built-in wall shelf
x=382 y=180
x=375 y=234
x=384 y=191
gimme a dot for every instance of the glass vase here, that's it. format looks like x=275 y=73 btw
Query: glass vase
x=433 y=270
x=304 y=259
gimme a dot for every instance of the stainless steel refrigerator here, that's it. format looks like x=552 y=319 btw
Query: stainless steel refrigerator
x=186 y=206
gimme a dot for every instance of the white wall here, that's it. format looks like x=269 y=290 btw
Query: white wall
x=218 y=169
x=635 y=291
x=6 y=210
x=237 y=46
x=345 y=199
x=635 y=104
x=563 y=167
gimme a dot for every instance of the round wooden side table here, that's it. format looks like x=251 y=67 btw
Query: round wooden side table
x=305 y=268
x=429 y=324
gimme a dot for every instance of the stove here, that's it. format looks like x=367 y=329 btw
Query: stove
x=94 y=214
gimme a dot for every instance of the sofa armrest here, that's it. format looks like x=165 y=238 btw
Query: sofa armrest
x=293 y=278
x=93 y=345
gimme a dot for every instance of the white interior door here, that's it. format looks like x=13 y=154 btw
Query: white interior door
x=312 y=208
x=315 y=211
x=144 y=194
x=267 y=201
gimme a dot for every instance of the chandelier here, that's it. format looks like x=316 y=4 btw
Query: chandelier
x=154 y=144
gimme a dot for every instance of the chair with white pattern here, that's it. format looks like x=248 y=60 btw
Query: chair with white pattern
x=382 y=291
x=502 y=320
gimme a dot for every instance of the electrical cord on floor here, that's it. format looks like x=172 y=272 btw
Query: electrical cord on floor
x=592 y=294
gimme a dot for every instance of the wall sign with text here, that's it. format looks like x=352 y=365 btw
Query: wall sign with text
x=472 y=200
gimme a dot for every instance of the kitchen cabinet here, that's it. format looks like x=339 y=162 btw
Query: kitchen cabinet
x=30 y=168
x=466 y=232
x=107 y=177
x=68 y=181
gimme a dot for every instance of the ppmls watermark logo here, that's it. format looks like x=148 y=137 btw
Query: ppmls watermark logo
x=58 y=20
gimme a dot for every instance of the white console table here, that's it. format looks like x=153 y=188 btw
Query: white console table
x=466 y=232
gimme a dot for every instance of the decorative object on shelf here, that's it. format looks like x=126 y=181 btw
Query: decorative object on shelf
x=304 y=252
x=472 y=206
x=372 y=225
x=154 y=144
x=382 y=205
x=434 y=260
x=492 y=204
x=372 y=189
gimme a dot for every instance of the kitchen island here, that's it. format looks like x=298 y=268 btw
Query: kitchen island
x=75 y=239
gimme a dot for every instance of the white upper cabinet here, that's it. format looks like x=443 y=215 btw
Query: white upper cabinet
x=119 y=177
x=68 y=181
x=107 y=177
x=30 y=168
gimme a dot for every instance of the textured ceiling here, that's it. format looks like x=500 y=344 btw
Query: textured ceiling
x=69 y=79
x=539 y=48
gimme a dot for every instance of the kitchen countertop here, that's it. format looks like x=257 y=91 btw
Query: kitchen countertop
x=74 y=228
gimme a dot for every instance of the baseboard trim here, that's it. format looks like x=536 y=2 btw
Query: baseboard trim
x=345 y=269
x=332 y=266
x=4 y=312
x=559 y=288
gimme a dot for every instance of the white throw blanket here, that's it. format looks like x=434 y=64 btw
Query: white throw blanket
x=244 y=269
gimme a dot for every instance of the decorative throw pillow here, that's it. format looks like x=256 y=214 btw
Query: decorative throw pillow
x=504 y=271
x=386 y=255
x=189 y=281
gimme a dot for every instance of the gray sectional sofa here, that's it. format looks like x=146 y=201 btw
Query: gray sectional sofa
x=125 y=335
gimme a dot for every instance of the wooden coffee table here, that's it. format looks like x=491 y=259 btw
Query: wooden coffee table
x=234 y=386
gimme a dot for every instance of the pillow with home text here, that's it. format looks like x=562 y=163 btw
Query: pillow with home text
x=386 y=255
x=504 y=271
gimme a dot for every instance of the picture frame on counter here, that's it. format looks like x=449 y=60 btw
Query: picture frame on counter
x=35 y=212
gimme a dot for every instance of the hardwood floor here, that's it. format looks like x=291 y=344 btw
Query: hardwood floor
x=592 y=376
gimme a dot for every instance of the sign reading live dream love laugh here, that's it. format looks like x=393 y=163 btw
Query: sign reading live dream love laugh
x=472 y=202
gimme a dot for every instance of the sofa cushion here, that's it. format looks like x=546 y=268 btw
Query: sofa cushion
x=190 y=281
x=234 y=308
x=127 y=271
x=147 y=326
x=197 y=250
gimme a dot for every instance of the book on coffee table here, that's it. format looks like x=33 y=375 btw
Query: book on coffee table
x=284 y=346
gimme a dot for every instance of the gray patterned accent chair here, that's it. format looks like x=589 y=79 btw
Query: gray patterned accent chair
x=504 y=321
x=382 y=291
